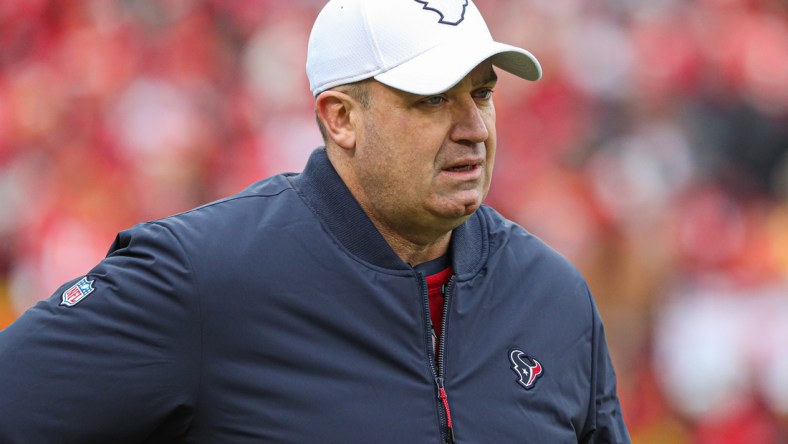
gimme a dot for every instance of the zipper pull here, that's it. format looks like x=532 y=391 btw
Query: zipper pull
x=445 y=400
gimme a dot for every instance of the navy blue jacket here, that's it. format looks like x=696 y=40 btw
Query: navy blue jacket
x=281 y=315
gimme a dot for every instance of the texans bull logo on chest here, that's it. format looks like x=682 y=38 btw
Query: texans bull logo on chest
x=527 y=368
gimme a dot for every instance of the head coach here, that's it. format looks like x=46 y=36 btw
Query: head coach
x=371 y=298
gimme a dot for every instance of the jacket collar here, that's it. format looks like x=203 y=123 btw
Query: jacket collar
x=325 y=193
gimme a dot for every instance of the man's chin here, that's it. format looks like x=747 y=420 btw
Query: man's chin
x=456 y=208
x=461 y=212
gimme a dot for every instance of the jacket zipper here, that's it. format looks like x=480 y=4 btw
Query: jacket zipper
x=437 y=362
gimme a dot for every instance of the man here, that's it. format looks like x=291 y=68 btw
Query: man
x=371 y=298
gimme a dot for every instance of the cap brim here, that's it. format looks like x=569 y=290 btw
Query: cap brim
x=440 y=68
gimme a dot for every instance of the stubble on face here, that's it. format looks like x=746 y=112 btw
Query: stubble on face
x=409 y=165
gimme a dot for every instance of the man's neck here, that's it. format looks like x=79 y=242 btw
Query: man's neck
x=416 y=253
x=413 y=245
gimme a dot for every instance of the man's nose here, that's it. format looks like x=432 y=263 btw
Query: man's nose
x=469 y=124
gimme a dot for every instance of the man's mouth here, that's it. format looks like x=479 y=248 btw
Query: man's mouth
x=463 y=168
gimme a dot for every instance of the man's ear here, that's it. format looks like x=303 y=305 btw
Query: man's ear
x=334 y=109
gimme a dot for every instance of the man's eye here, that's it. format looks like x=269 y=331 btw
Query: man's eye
x=485 y=94
x=434 y=100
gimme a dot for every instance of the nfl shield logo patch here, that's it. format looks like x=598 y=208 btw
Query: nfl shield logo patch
x=77 y=292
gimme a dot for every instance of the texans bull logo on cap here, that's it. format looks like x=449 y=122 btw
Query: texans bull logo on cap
x=452 y=12
x=421 y=47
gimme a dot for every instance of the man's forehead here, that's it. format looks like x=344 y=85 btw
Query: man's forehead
x=483 y=74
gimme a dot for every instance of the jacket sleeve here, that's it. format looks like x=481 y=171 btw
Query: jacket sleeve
x=113 y=357
x=605 y=421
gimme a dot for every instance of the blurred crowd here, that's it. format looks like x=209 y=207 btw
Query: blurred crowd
x=653 y=154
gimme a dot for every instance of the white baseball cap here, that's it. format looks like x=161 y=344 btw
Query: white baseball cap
x=417 y=46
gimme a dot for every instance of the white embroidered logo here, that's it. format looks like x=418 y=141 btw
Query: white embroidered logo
x=452 y=12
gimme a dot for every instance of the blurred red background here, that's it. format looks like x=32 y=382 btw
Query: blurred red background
x=653 y=154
